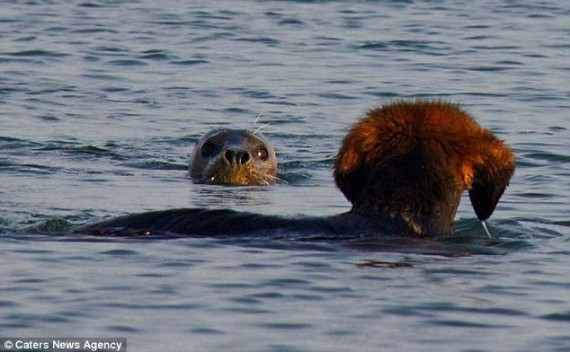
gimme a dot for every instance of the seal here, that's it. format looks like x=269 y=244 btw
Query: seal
x=233 y=157
x=403 y=167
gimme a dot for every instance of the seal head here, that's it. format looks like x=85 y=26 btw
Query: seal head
x=233 y=157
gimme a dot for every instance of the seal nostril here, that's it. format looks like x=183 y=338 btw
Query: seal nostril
x=243 y=158
x=229 y=156
x=238 y=157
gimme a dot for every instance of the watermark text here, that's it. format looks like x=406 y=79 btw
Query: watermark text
x=48 y=344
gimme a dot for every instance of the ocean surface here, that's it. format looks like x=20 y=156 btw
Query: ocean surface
x=102 y=101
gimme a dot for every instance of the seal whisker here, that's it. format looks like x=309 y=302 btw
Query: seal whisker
x=257 y=117
x=276 y=178
x=260 y=128
x=486 y=229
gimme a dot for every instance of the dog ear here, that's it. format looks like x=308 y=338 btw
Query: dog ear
x=490 y=179
x=485 y=195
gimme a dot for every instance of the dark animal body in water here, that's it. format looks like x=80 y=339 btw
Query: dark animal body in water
x=233 y=157
x=403 y=167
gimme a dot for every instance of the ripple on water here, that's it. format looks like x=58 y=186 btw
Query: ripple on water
x=156 y=55
x=284 y=325
x=151 y=306
x=15 y=143
x=73 y=148
x=28 y=320
x=156 y=165
x=120 y=252
x=127 y=63
x=37 y=53
x=470 y=324
x=263 y=40
x=424 y=47
x=548 y=156
x=7 y=304
x=204 y=330
x=94 y=30
x=562 y=316
x=122 y=329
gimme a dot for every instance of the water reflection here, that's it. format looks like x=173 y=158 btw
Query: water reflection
x=212 y=196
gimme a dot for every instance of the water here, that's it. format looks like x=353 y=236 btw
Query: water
x=101 y=101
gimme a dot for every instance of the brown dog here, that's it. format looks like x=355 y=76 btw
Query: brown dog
x=412 y=160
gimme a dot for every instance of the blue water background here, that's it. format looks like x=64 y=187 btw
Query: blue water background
x=101 y=102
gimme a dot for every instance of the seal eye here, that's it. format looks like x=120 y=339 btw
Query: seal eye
x=262 y=153
x=209 y=149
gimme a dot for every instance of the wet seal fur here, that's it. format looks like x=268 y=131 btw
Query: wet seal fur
x=403 y=167
x=233 y=157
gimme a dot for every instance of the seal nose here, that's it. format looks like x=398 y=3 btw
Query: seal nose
x=237 y=157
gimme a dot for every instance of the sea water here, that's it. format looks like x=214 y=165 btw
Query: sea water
x=102 y=101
